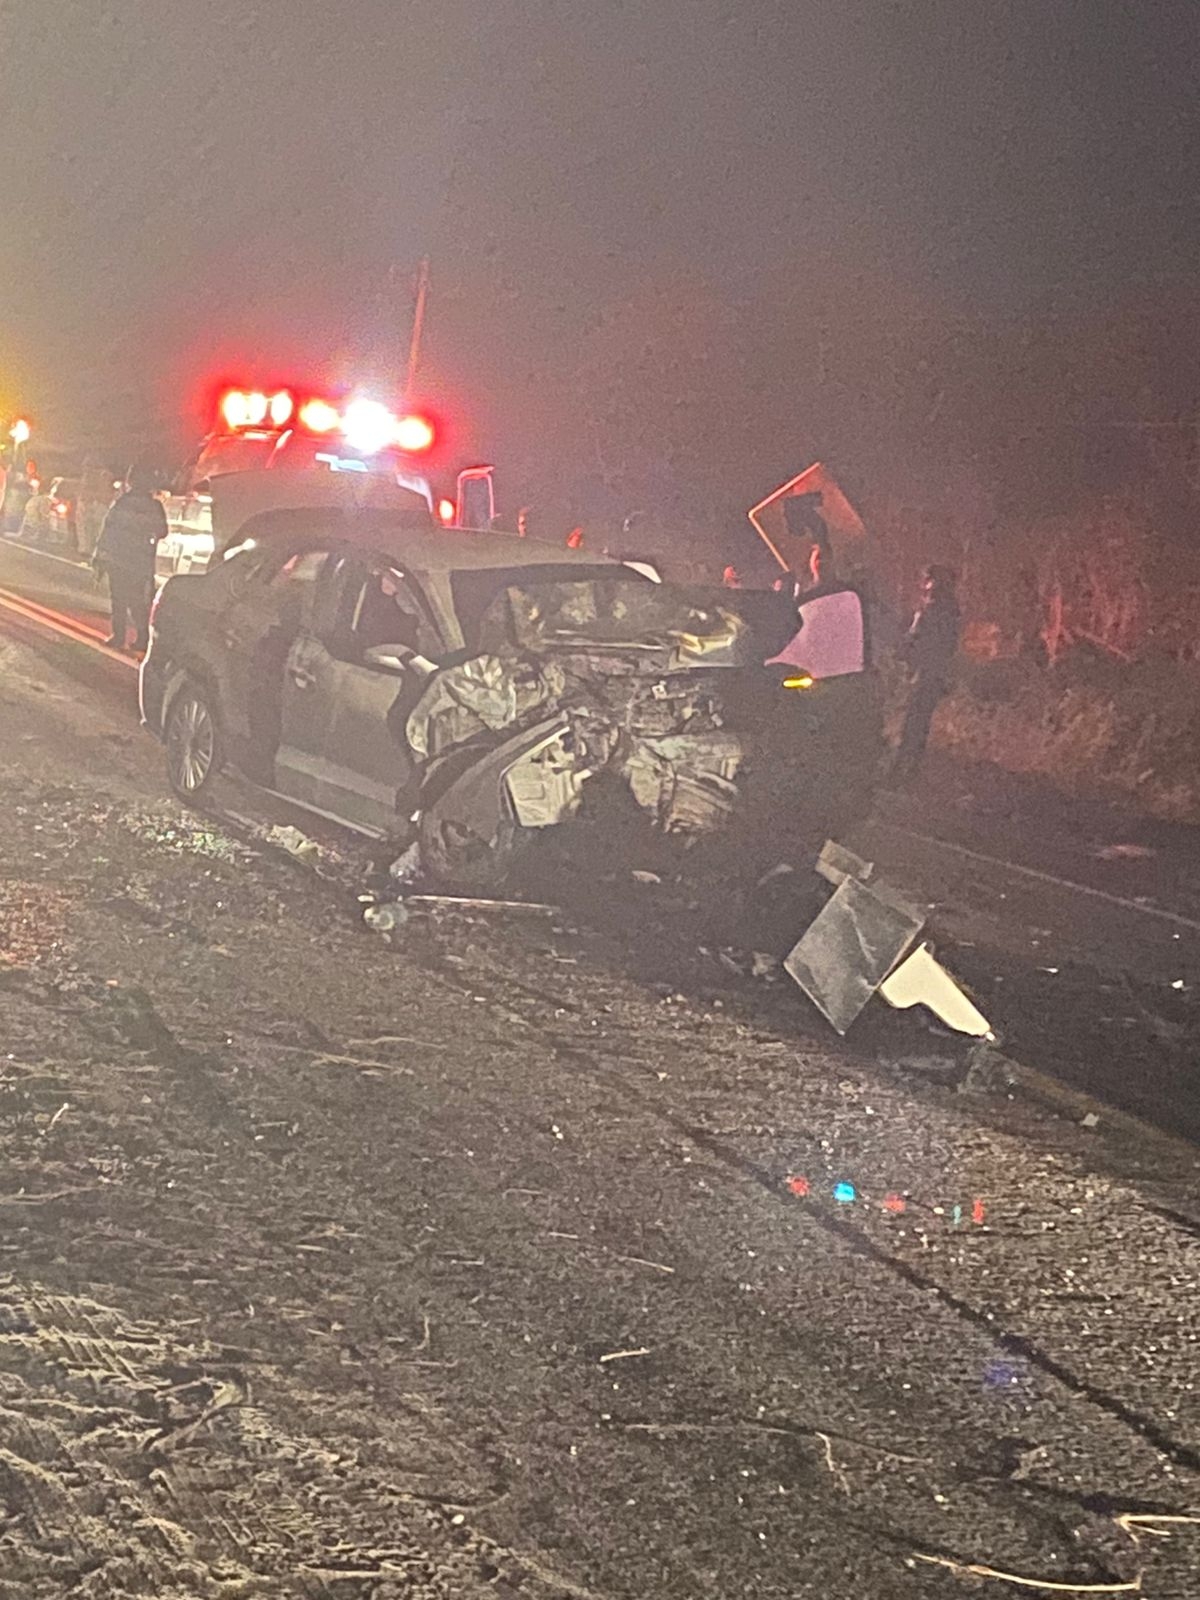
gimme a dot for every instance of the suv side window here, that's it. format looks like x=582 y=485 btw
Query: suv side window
x=372 y=603
x=302 y=568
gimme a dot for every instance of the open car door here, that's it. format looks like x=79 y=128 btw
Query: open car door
x=811 y=510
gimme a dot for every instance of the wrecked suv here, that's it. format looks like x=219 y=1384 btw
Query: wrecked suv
x=472 y=692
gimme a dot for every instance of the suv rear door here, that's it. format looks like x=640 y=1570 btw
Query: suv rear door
x=343 y=749
x=269 y=600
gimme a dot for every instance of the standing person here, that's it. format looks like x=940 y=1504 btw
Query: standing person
x=91 y=504
x=125 y=554
x=35 y=521
x=928 y=651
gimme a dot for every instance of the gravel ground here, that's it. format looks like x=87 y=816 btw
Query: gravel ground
x=500 y=1257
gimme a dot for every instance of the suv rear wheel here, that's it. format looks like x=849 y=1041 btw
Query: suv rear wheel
x=193 y=740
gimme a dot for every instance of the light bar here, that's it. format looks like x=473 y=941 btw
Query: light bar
x=318 y=416
x=414 y=434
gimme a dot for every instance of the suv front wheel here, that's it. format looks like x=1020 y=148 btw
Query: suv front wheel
x=193 y=741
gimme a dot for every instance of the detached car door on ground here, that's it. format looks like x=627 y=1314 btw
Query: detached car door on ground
x=352 y=676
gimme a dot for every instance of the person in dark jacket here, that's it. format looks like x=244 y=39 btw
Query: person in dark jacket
x=928 y=651
x=125 y=555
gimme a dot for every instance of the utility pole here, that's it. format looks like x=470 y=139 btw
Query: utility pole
x=418 y=326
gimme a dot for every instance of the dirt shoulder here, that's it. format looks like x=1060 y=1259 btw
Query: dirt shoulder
x=486 y=1262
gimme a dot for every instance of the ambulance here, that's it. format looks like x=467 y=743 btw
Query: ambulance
x=295 y=433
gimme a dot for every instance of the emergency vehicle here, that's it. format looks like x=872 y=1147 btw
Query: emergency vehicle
x=290 y=431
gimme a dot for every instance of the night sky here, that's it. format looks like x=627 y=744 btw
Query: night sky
x=226 y=185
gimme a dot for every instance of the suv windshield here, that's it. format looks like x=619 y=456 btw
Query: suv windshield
x=608 y=609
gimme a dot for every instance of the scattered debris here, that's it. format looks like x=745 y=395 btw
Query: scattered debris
x=386 y=918
x=54 y=1120
x=856 y=939
x=455 y=902
x=183 y=837
x=860 y=943
x=835 y=864
x=1091 y=1120
x=640 y=1261
x=1123 y=852
x=919 y=980
x=1129 y=1523
x=640 y=875
x=625 y=1355
x=406 y=868
x=294 y=842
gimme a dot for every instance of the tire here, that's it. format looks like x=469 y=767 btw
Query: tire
x=195 y=749
x=460 y=862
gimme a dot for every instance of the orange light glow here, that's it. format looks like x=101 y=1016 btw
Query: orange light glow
x=414 y=433
x=318 y=416
x=446 y=511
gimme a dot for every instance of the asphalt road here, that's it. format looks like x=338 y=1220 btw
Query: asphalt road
x=500 y=1257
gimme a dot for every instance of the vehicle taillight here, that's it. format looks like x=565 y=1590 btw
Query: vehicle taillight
x=281 y=408
x=446 y=511
x=61 y=508
x=414 y=434
x=318 y=416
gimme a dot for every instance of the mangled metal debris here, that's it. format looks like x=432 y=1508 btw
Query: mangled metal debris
x=920 y=980
x=861 y=933
x=863 y=942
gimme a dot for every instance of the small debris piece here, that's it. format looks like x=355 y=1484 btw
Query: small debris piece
x=1091 y=1120
x=407 y=866
x=453 y=902
x=295 y=843
x=798 y=1186
x=61 y=1112
x=386 y=918
x=625 y=1355
x=855 y=941
x=640 y=875
x=1123 y=852
x=836 y=863
x=920 y=980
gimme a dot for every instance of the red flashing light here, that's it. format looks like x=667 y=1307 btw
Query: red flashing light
x=241 y=408
x=318 y=416
x=414 y=434
x=447 y=511
x=234 y=409
x=281 y=408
